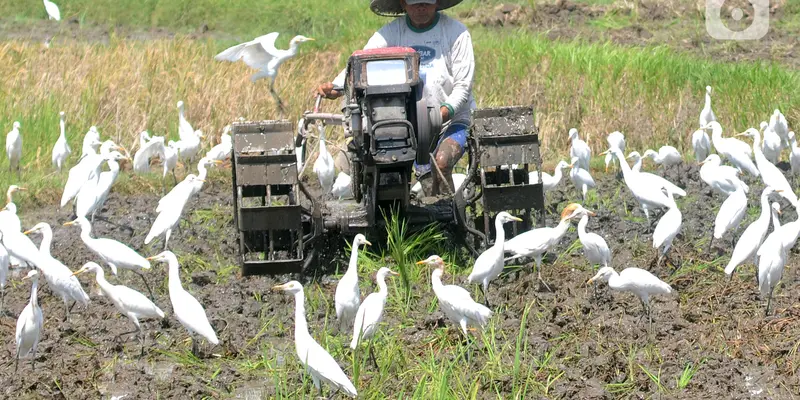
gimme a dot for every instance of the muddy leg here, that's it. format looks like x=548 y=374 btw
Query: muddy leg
x=446 y=156
x=485 y=290
x=372 y=356
x=539 y=275
x=194 y=346
x=769 y=301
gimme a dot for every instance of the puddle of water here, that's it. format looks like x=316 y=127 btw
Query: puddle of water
x=249 y=392
x=160 y=370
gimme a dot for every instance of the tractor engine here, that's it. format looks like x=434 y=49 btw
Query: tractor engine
x=390 y=122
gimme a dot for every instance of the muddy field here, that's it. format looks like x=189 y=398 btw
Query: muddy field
x=596 y=344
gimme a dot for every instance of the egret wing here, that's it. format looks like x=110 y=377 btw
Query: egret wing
x=192 y=315
x=137 y=303
x=322 y=364
x=643 y=279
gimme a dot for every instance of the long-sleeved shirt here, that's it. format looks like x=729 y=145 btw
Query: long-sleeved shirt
x=447 y=63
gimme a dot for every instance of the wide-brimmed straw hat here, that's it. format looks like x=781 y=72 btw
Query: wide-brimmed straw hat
x=391 y=8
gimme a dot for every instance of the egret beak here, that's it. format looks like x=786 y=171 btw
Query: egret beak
x=392 y=273
x=218 y=162
x=279 y=287
x=25 y=277
x=28 y=232
x=592 y=213
x=69 y=223
x=779 y=212
x=741 y=134
x=79 y=271
x=22 y=188
x=589 y=282
x=701 y=162
x=420 y=262
x=605 y=152
x=122 y=148
x=201 y=180
x=516 y=219
x=778 y=190
x=366 y=242
x=153 y=258
x=312 y=39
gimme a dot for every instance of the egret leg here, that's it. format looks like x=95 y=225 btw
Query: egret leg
x=194 y=346
x=275 y=96
x=66 y=311
x=166 y=239
x=33 y=359
x=539 y=275
x=372 y=356
x=769 y=301
x=174 y=177
x=145 y=284
x=485 y=290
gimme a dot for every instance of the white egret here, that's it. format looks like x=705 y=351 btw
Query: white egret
x=61 y=149
x=701 y=144
x=8 y=216
x=454 y=301
x=94 y=193
x=771 y=260
x=91 y=142
x=666 y=156
x=195 y=184
x=29 y=324
x=189 y=147
x=20 y=247
x=5 y=262
x=637 y=160
x=170 y=214
x=323 y=167
x=535 y=242
x=730 y=214
x=707 y=114
x=187 y=309
x=752 y=237
x=635 y=280
x=112 y=252
x=489 y=264
x=548 y=182
x=52 y=10
x=222 y=151
x=14 y=148
x=318 y=362
x=88 y=168
x=614 y=139
x=185 y=129
x=579 y=149
x=348 y=295
x=58 y=276
x=262 y=55
x=770 y=174
x=370 y=312
x=667 y=228
x=794 y=155
x=778 y=124
x=169 y=158
x=734 y=150
x=653 y=178
x=723 y=179
x=148 y=148
x=128 y=302
x=771 y=145
x=646 y=191
x=580 y=177
x=342 y=186
x=595 y=248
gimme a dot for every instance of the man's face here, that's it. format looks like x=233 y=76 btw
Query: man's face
x=420 y=14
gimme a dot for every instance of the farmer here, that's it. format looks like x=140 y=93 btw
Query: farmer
x=446 y=63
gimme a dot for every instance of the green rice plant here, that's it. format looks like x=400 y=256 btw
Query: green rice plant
x=655 y=378
x=407 y=248
x=688 y=373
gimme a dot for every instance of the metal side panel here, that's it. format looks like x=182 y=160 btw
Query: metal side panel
x=503 y=121
x=270 y=218
x=263 y=137
x=496 y=154
x=514 y=197
x=275 y=267
x=264 y=174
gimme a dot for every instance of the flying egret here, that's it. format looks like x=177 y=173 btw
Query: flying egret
x=222 y=151
x=454 y=301
x=128 y=302
x=370 y=312
x=723 y=179
x=666 y=156
x=707 y=114
x=261 y=54
x=94 y=193
x=734 y=150
x=635 y=280
x=29 y=324
x=548 y=182
x=489 y=264
x=58 y=276
x=579 y=149
x=61 y=149
x=535 y=242
x=187 y=309
x=646 y=191
x=348 y=295
x=752 y=237
x=112 y=252
x=14 y=148
x=342 y=186
x=91 y=142
x=794 y=155
x=730 y=214
x=52 y=10
x=318 y=362
x=667 y=228
x=580 y=177
x=323 y=167
x=170 y=214
x=614 y=139
x=5 y=261
x=701 y=144
x=653 y=178
x=595 y=248
x=770 y=174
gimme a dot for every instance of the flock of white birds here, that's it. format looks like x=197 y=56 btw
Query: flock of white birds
x=88 y=187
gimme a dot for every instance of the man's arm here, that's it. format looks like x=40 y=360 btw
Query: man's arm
x=463 y=65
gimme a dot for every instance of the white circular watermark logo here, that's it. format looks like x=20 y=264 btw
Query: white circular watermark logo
x=718 y=30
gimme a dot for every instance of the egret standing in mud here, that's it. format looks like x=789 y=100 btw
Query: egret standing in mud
x=348 y=296
x=370 y=313
x=187 y=309
x=318 y=362
x=129 y=302
x=29 y=324
x=635 y=280
x=489 y=264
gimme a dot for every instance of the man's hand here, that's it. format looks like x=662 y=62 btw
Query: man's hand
x=326 y=90
x=445 y=113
